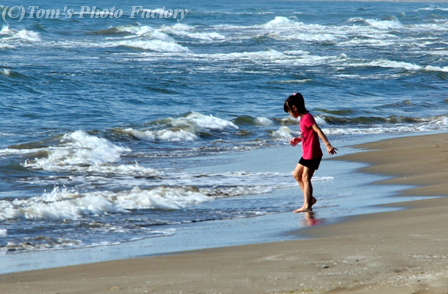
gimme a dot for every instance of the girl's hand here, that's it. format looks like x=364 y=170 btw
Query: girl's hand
x=331 y=150
x=294 y=141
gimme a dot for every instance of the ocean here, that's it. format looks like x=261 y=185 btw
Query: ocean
x=113 y=115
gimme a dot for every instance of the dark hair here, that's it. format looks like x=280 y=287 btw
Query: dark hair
x=296 y=99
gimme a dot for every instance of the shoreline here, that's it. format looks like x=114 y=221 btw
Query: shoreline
x=371 y=253
x=280 y=226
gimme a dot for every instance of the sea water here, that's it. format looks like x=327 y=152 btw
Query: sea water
x=112 y=127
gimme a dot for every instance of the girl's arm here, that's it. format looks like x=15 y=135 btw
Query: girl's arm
x=330 y=149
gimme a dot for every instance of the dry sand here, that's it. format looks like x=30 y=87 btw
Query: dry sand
x=403 y=251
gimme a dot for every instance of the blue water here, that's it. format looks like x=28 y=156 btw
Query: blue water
x=104 y=120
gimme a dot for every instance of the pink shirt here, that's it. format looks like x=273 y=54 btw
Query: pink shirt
x=310 y=139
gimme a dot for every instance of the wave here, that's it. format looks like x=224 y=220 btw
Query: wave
x=284 y=134
x=144 y=44
x=380 y=125
x=186 y=189
x=376 y=23
x=62 y=203
x=253 y=121
x=134 y=36
x=6 y=72
x=361 y=32
x=162 y=135
x=186 y=31
x=186 y=128
x=80 y=152
x=432 y=8
x=403 y=65
x=281 y=21
x=115 y=213
x=342 y=61
x=146 y=38
x=384 y=24
x=6 y=33
x=344 y=122
x=138 y=30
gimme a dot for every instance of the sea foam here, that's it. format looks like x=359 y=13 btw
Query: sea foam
x=63 y=203
x=79 y=151
x=190 y=32
x=185 y=128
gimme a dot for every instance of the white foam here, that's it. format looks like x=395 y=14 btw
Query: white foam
x=137 y=30
x=280 y=21
x=187 y=31
x=3 y=233
x=58 y=204
x=283 y=133
x=142 y=37
x=28 y=36
x=6 y=30
x=174 y=191
x=160 y=198
x=148 y=39
x=424 y=125
x=50 y=243
x=82 y=152
x=389 y=64
x=308 y=37
x=436 y=68
x=6 y=72
x=184 y=128
x=7 y=46
x=372 y=42
x=9 y=151
x=24 y=34
x=122 y=169
x=285 y=29
x=62 y=203
x=427 y=125
x=432 y=8
x=282 y=28
x=264 y=121
x=199 y=122
x=163 y=135
x=384 y=24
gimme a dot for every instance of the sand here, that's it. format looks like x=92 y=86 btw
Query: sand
x=403 y=251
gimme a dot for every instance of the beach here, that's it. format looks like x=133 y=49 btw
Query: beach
x=401 y=251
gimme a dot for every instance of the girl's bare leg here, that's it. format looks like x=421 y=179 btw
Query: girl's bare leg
x=303 y=176
x=297 y=174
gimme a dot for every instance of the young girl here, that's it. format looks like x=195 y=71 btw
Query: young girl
x=312 y=154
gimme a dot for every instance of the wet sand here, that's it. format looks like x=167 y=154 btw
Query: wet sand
x=402 y=251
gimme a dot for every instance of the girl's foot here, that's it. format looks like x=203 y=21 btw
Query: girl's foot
x=303 y=209
x=306 y=208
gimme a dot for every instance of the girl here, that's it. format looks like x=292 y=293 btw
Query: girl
x=312 y=154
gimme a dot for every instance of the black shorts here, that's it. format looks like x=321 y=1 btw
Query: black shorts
x=311 y=163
